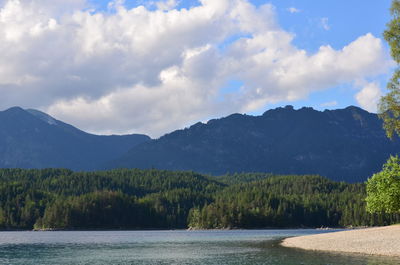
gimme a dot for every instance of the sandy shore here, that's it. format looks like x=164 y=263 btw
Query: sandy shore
x=373 y=241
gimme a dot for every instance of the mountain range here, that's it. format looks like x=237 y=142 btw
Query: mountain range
x=344 y=144
x=33 y=139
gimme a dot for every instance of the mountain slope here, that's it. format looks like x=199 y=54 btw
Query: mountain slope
x=346 y=144
x=33 y=139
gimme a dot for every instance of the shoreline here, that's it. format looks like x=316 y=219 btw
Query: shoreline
x=382 y=241
x=172 y=229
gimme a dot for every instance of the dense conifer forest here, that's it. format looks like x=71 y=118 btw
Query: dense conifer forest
x=156 y=199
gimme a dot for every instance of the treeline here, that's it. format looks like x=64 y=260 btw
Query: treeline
x=116 y=199
x=157 y=199
x=288 y=201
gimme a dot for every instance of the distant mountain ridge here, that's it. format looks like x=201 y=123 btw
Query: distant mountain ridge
x=33 y=139
x=344 y=144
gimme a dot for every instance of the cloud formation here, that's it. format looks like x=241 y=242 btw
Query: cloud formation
x=325 y=23
x=293 y=10
x=329 y=104
x=368 y=97
x=155 y=70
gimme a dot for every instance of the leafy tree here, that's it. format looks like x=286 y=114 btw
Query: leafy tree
x=389 y=105
x=383 y=188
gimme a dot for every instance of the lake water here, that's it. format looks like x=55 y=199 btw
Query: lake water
x=167 y=247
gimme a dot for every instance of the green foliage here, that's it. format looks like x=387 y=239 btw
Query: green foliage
x=237 y=178
x=97 y=210
x=128 y=199
x=389 y=105
x=392 y=33
x=158 y=199
x=383 y=188
x=287 y=201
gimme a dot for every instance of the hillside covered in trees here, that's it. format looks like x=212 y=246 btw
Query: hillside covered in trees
x=287 y=201
x=155 y=199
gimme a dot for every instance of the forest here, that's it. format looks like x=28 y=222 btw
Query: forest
x=46 y=199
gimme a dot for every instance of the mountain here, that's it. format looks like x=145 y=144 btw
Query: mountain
x=33 y=139
x=345 y=144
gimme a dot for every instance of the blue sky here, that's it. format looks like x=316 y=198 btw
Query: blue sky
x=347 y=20
x=156 y=66
x=315 y=23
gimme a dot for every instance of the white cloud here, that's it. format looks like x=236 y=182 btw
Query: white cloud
x=284 y=73
x=153 y=71
x=166 y=4
x=325 y=23
x=368 y=97
x=329 y=104
x=293 y=10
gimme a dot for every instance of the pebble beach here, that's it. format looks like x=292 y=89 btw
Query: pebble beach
x=372 y=241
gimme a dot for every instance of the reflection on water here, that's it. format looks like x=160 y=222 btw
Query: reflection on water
x=167 y=247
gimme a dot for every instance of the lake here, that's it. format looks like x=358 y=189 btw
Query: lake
x=167 y=247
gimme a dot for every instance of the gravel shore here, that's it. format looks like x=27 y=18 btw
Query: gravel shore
x=374 y=241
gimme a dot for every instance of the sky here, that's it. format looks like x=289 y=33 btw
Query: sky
x=136 y=66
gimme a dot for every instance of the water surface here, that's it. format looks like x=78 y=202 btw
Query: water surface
x=167 y=247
